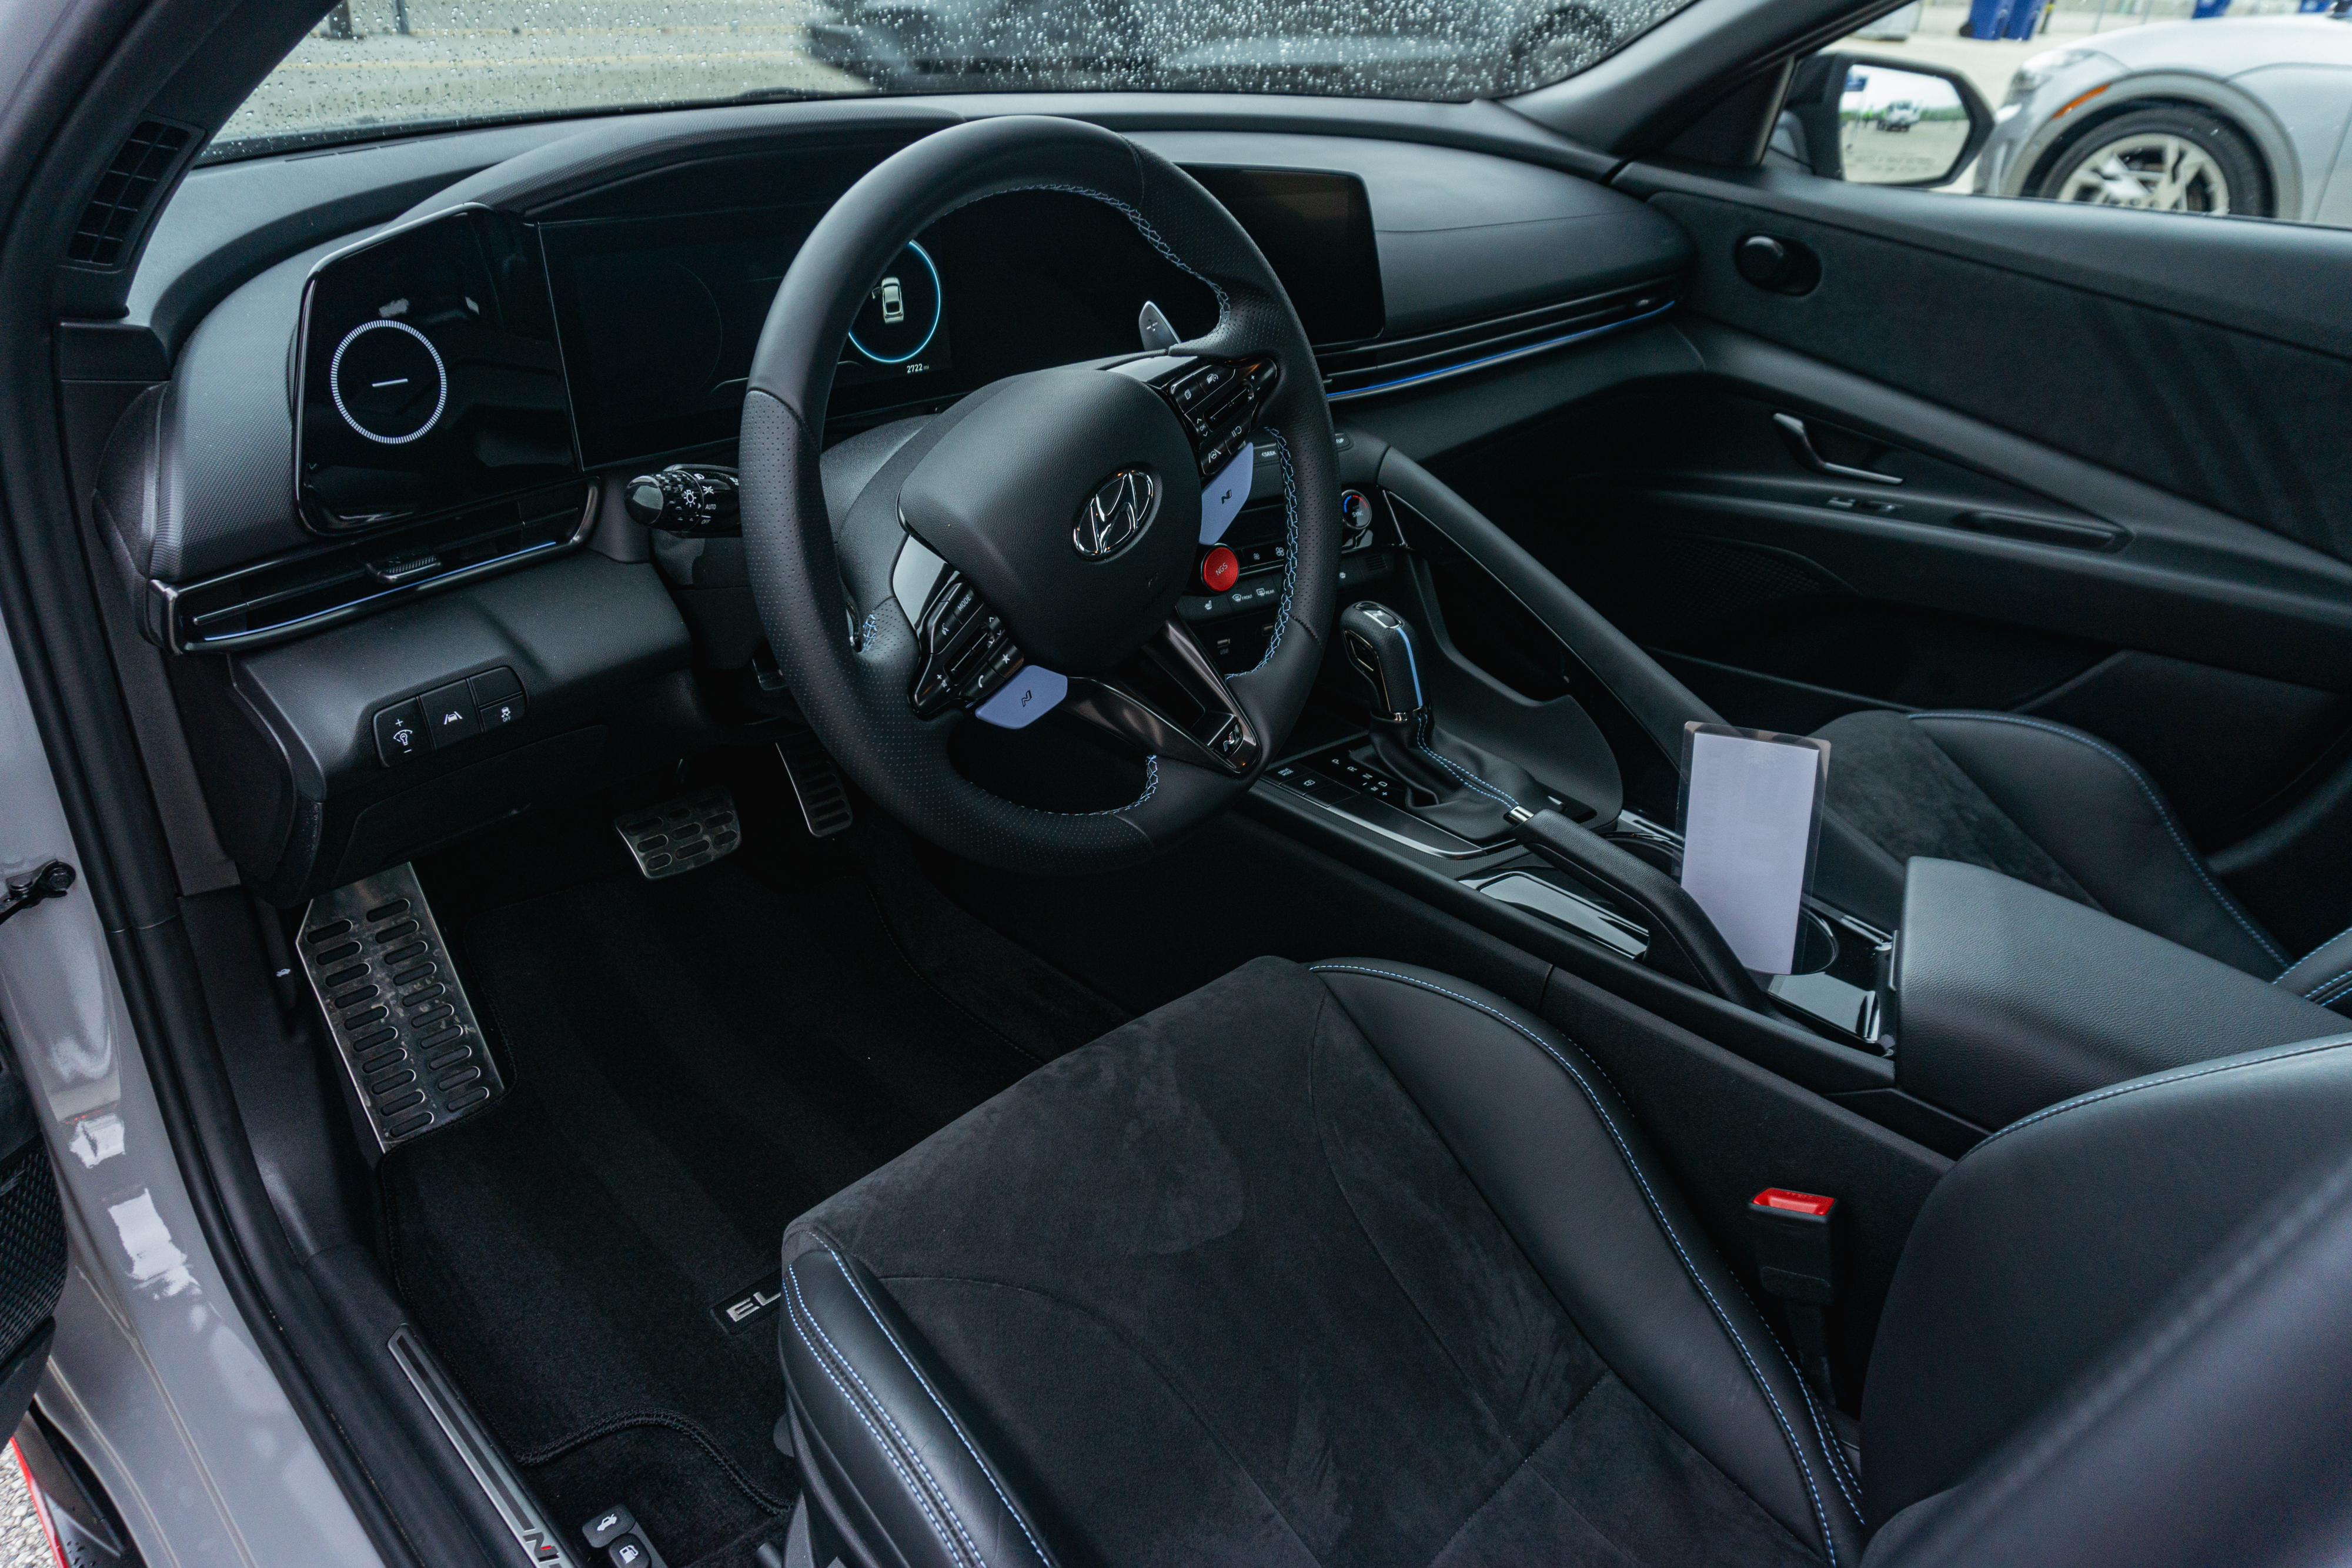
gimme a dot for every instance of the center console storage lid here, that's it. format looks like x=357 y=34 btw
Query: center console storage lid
x=2009 y=998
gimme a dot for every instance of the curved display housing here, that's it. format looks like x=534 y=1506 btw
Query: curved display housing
x=429 y=375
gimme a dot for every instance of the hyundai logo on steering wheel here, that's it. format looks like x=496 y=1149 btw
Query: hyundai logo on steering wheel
x=1115 y=515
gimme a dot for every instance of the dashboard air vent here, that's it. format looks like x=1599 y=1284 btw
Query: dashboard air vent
x=314 y=588
x=126 y=192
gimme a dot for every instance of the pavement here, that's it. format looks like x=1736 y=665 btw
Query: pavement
x=23 y=1543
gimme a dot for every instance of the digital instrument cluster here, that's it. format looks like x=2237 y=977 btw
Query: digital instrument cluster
x=473 y=357
x=428 y=376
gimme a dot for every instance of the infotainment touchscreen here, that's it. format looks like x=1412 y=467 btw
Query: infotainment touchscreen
x=659 y=317
x=1315 y=228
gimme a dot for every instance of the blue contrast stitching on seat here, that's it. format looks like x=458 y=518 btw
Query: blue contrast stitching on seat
x=847 y=1398
x=2282 y=1054
x=2163 y=813
x=1421 y=741
x=1657 y=1212
x=2333 y=995
x=2340 y=974
x=953 y=1426
x=913 y=1453
x=1829 y=1451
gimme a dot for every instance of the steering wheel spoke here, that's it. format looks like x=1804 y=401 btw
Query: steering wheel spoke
x=1217 y=400
x=964 y=651
x=1171 y=701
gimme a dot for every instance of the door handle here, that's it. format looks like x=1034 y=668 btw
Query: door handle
x=1800 y=447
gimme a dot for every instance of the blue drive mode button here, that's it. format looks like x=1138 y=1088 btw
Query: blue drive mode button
x=1026 y=698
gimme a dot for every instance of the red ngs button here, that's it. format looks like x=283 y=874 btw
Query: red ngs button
x=1220 y=568
x=1810 y=1203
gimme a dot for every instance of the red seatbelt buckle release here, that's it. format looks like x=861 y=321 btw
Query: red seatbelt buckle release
x=1794 y=1259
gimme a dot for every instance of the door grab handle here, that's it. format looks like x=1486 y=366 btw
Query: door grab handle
x=1800 y=445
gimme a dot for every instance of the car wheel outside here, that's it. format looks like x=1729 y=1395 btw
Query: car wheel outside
x=2171 y=158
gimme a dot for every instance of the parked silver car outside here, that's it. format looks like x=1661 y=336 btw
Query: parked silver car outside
x=2244 y=116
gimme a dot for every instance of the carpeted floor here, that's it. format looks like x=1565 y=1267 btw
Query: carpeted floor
x=693 y=1063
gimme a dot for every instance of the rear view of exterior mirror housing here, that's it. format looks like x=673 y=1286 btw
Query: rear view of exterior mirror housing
x=1879 y=122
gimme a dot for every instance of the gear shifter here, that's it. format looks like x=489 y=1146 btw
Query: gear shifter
x=1449 y=781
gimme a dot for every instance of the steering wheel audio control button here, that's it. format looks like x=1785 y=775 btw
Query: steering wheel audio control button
x=968 y=654
x=1220 y=568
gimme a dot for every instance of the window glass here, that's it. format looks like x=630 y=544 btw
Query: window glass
x=374 y=67
x=2180 y=106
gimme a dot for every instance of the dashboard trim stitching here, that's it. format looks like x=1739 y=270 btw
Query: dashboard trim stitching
x=1507 y=355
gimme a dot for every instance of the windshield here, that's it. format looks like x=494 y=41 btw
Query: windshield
x=374 y=67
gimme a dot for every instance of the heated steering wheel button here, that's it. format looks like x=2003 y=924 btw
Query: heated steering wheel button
x=399 y=734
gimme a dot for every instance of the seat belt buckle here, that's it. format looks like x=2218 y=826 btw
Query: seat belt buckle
x=1795 y=1258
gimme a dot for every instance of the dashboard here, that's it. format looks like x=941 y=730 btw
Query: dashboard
x=471 y=355
x=369 y=505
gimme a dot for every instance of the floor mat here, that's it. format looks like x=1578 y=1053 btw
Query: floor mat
x=695 y=1062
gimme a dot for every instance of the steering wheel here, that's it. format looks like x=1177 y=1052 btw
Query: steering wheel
x=1025 y=550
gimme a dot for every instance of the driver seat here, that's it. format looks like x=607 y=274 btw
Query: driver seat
x=1362 y=1264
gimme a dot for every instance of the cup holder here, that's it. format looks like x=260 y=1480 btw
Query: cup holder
x=1817 y=943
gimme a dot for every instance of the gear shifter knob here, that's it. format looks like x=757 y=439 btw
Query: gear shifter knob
x=1379 y=643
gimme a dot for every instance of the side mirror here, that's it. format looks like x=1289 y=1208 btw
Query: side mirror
x=1879 y=122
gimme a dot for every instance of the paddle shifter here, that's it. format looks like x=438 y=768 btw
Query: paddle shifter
x=1452 y=783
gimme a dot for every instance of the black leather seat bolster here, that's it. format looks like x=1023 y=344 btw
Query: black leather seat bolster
x=2048 y=1242
x=2108 y=825
x=879 y=1439
x=1554 y=1152
x=2219 y=1430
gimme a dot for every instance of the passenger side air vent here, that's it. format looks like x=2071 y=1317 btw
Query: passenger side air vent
x=316 y=589
x=126 y=195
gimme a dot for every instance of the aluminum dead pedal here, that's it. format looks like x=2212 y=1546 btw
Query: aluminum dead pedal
x=681 y=834
x=399 y=1018
x=816 y=784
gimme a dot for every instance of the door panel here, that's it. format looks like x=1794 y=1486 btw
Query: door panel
x=2124 y=508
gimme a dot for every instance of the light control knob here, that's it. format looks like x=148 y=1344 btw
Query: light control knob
x=687 y=498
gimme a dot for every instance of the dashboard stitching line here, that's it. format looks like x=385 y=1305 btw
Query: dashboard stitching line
x=1657 y=1212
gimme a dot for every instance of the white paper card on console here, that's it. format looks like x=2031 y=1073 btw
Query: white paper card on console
x=1751 y=806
